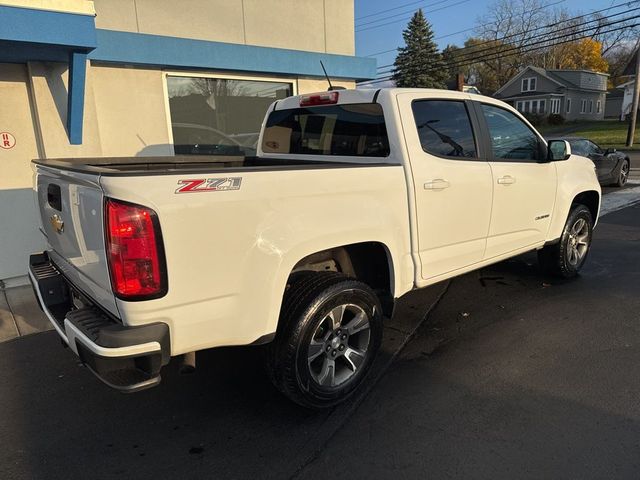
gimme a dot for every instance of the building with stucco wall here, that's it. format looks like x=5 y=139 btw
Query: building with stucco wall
x=150 y=77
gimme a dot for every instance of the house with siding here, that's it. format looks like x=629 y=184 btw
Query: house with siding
x=615 y=100
x=573 y=94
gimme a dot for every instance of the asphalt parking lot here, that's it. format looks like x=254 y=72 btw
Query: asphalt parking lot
x=511 y=375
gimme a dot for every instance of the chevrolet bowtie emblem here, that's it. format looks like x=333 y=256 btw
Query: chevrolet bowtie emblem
x=57 y=223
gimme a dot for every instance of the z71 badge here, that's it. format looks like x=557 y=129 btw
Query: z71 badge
x=209 y=185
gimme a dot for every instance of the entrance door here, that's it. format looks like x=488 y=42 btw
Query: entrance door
x=19 y=235
x=453 y=187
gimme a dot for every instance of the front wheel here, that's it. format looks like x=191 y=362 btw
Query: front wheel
x=623 y=176
x=330 y=331
x=566 y=258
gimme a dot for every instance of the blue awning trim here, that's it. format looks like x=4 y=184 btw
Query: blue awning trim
x=22 y=52
x=31 y=35
x=47 y=28
x=75 y=100
x=173 y=52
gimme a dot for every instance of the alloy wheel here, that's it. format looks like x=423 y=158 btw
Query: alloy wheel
x=339 y=345
x=624 y=173
x=578 y=242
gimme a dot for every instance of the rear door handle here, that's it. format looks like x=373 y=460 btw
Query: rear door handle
x=437 y=184
x=506 y=180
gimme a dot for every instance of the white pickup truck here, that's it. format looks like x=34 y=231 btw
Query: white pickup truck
x=355 y=197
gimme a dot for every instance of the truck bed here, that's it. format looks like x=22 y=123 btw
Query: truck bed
x=122 y=166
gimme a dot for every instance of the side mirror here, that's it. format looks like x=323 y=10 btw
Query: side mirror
x=610 y=150
x=558 y=150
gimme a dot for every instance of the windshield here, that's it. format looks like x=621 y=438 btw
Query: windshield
x=356 y=130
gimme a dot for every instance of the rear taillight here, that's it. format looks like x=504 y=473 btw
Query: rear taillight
x=324 y=98
x=134 y=251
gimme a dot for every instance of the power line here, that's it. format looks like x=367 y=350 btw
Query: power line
x=514 y=49
x=400 y=14
x=470 y=28
x=407 y=18
x=475 y=51
x=389 y=10
x=487 y=24
x=467 y=60
x=522 y=51
x=547 y=26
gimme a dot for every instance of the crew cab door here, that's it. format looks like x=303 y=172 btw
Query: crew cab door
x=452 y=184
x=524 y=182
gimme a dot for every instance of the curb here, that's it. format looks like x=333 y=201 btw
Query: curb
x=614 y=201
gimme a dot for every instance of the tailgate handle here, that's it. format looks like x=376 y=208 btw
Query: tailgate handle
x=54 y=196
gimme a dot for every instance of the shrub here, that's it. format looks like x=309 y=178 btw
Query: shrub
x=555 y=119
x=536 y=119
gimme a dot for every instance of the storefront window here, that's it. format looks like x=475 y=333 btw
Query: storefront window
x=214 y=116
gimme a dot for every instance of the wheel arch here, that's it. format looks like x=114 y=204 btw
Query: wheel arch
x=591 y=200
x=370 y=262
x=587 y=196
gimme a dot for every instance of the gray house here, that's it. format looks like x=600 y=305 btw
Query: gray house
x=615 y=97
x=574 y=94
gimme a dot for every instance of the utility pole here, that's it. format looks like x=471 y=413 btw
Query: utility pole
x=636 y=95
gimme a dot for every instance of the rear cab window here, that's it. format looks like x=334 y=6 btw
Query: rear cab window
x=353 y=130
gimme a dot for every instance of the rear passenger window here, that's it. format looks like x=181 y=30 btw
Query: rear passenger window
x=511 y=138
x=444 y=128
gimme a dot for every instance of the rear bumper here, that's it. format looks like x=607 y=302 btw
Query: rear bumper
x=125 y=358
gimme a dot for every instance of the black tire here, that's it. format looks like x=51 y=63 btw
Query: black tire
x=623 y=175
x=558 y=259
x=309 y=300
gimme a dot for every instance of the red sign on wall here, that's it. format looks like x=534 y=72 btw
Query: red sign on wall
x=7 y=140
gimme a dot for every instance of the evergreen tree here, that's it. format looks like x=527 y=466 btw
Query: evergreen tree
x=419 y=64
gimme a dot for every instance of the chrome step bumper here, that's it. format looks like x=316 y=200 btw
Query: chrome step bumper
x=126 y=358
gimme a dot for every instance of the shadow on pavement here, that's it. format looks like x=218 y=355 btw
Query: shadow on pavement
x=226 y=420
x=513 y=376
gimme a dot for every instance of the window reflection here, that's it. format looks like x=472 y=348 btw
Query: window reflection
x=511 y=138
x=213 y=116
x=347 y=130
x=444 y=128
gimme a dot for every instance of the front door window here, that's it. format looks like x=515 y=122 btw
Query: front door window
x=511 y=138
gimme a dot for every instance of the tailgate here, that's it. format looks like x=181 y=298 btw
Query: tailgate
x=71 y=212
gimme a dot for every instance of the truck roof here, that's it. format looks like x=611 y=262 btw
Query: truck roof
x=369 y=95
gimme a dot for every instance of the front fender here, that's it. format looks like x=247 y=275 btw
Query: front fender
x=575 y=176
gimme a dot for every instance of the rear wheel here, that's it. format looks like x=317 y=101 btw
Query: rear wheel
x=623 y=176
x=566 y=258
x=330 y=331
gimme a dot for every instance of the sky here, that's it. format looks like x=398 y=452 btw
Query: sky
x=446 y=17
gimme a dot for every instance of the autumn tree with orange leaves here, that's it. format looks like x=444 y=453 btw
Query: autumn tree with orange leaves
x=585 y=54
